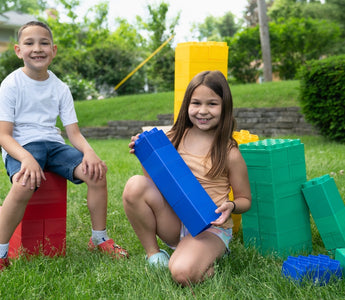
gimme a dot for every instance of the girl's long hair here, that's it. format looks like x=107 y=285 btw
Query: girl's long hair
x=223 y=140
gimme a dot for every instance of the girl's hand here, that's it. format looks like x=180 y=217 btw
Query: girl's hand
x=132 y=143
x=225 y=209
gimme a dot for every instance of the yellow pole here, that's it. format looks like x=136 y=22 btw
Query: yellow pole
x=144 y=62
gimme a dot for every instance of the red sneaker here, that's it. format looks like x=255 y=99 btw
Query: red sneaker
x=109 y=247
x=4 y=263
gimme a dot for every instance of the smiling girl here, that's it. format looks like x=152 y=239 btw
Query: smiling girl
x=202 y=135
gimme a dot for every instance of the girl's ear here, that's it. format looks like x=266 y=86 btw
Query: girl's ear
x=17 y=50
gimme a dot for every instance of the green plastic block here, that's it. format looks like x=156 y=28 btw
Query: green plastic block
x=274 y=152
x=322 y=196
x=340 y=256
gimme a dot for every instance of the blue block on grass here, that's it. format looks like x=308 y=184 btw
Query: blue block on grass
x=175 y=181
x=320 y=269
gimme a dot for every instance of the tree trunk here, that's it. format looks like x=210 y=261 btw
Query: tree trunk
x=265 y=40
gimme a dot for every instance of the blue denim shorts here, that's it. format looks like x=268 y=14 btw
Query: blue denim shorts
x=224 y=234
x=54 y=157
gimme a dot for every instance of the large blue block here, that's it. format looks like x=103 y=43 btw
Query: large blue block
x=175 y=181
x=320 y=269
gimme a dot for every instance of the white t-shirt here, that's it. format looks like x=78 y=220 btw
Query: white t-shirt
x=33 y=107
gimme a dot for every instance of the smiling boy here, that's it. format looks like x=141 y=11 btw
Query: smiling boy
x=31 y=99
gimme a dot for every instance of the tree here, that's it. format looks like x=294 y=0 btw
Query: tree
x=265 y=40
x=216 y=29
x=160 y=69
x=24 y=6
x=298 y=40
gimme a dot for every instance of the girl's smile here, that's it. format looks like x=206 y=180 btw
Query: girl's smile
x=205 y=108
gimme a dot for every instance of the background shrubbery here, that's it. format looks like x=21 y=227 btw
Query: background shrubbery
x=323 y=95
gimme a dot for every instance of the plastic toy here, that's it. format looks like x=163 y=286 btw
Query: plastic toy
x=320 y=269
x=175 y=180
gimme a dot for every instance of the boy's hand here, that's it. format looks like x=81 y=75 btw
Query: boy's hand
x=30 y=171
x=132 y=143
x=93 y=166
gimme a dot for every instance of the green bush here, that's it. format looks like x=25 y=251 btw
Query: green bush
x=81 y=88
x=322 y=95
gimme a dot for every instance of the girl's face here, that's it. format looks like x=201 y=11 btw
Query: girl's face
x=205 y=108
x=36 y=49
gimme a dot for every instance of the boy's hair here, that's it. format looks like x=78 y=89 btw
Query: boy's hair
x=223 y=140
x=35 y=23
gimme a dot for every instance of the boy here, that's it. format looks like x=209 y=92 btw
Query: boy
x=31 y=98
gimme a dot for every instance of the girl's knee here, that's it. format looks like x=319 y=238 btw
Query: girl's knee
x=134 y=188
x=184 y=274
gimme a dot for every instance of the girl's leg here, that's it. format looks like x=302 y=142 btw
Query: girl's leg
x=13 y=209
x=194 y=258
x=150 y=214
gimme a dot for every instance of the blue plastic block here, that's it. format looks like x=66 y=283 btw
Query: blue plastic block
x=320 y=269
x=175 y=181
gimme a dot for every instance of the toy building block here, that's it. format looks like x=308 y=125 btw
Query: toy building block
x=278 y=221
x=320 y=269
x=327 y=209
x=241 y=137
x=340 y=256
x=43 y=227
x=175 y=181
x=192 y=58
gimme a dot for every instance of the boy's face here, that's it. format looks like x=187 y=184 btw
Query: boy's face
x=36 y=49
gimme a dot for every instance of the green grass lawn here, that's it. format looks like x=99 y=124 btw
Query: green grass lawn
x=148 y=106
x=244 y=274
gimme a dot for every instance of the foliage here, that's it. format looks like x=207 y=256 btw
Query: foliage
x=323 y=95
x=216 y=29
x=294 y=41
x=81 y=88
x=24 y=6
x=9 y=62
x=245 y=55
x=160 y=69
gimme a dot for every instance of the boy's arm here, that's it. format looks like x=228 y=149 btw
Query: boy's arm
x=92 y=165
x=29 y=166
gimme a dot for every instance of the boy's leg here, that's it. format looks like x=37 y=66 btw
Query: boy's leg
x=194 y=258
x=13 y=209
x=97 y=199
x=150 y=214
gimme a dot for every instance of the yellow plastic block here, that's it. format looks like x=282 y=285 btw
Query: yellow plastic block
x=244 y=136
x=192 y=58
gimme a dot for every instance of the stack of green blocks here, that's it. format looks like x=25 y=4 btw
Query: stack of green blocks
x=278 y=222
x=327 y=209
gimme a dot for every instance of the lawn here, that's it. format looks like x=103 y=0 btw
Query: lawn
x=148 y=106
x=244 y=274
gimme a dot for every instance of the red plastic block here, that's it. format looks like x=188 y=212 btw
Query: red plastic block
x=43 y=226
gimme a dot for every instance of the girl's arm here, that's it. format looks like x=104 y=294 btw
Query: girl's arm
x=238 y=179
x=92 y=165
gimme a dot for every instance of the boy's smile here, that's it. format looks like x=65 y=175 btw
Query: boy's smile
x=36 y=49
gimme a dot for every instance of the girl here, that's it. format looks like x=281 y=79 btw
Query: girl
x=202 y=135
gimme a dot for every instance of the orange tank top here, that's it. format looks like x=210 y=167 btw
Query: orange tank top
x=217 y=188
